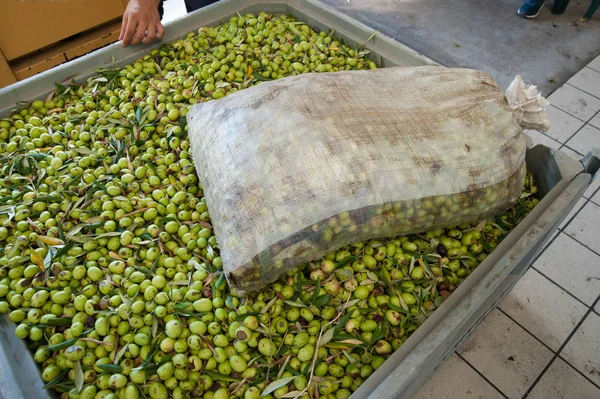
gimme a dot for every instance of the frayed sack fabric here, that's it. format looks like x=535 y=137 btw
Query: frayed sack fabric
x=295 y=168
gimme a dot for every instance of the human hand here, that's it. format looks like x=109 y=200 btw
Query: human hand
x=141 y=23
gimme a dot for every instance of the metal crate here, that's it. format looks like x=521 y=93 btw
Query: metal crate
x=561 y=181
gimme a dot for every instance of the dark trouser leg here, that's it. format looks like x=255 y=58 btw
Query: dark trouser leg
x=559 y=6
x=161 y=10
x=592 y=9
x=193 y=5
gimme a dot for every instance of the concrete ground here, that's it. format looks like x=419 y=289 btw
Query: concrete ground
x=488 y=35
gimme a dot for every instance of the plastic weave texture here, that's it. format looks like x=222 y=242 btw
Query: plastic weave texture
x=295 y=168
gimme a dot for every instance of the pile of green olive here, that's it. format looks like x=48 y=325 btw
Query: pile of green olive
x=384 y=220
x=110 y=269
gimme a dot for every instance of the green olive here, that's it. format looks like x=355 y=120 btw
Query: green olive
x=110 y=249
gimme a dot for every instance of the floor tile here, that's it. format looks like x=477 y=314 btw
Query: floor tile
x=540 y=138
x=575 y=102
x=506 y=354
x=575 y=209
x=587 y=80
x=595 y=121
x=562 y=125
x=561 y=381
x=549 y=242
x=585 y=228
x=460 y=379
x=593 y=187
x=543 y=309
x=583 y=349
x=596 y=197
x=572 y=153
x=586 y=138
x=595 y=65
x=573 y=267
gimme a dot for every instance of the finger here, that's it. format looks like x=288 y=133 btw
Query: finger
x=123 y=26
x=160 y=30
x=129 y=32
x=140 y=33
x=150 y=34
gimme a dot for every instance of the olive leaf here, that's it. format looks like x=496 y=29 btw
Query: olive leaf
x=17 y=260
x=438 y=301
x=61 y=250
x=284 y=365
x=111 y=234
x=62 y=345
x=37 y=259
x=14 y=248
x=481 y=225
x=195 y=264
x=59 y=321
x=204 y=224
x=276 y=385
x=79 y=378
x=120 y=354
x=403 y=303
x=412 y=265
x=295 y=304
x=11 y=212
x=316 y=291
x=372 y=276
x=346 y=261
x=154 y=326
x=350 y=358
x=111 y=368
x=344 y=274
x=269 y=305
x=220 y=377
x=341 y=323
x=56 y=381
x=350 y=341
x=50 y=240
x=347 y=305
x=95 y=341
x=425 y=266
x=322 y=300
x=294 y=394
x=379 y=333
x=326 y=337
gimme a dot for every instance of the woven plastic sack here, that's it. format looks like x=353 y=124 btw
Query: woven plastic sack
x=295 y=168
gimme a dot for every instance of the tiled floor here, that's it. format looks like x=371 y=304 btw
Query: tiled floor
x=543 y=341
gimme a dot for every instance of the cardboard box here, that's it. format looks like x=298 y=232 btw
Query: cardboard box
x=29 y=25
x=36 y=63
x=7 y=76
x=100 y=37
x=67 y=50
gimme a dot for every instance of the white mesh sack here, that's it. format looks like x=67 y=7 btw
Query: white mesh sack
x=298 y=167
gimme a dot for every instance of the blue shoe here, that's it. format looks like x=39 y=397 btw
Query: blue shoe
x=531 y=8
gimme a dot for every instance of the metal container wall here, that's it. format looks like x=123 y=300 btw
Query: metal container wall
x=561 y=182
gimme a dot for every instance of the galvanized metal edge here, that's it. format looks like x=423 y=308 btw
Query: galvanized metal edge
x=415 y=361
x=412 y=363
